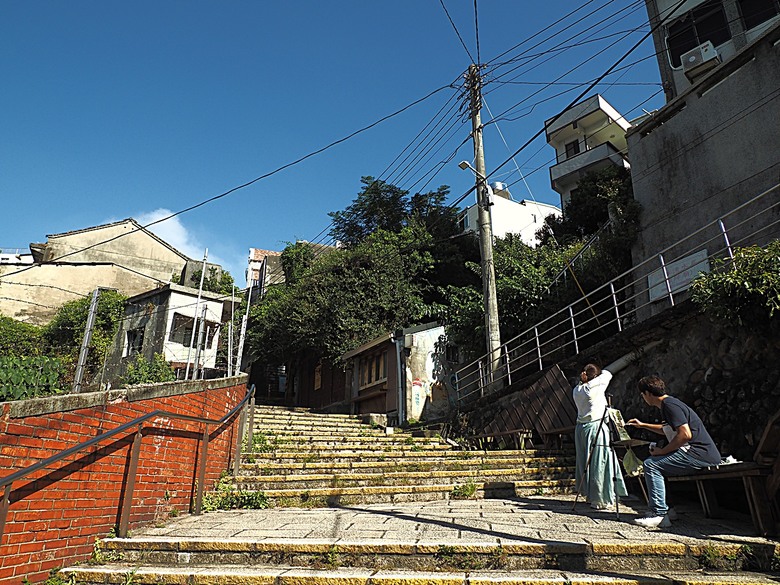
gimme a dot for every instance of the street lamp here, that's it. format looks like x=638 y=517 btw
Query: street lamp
x=492 y=334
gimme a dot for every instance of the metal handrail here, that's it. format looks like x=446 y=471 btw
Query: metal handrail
x=124 y=517
x=563 y=325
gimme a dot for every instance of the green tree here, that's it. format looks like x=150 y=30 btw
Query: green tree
x=378 y=206
x=63 y=335
x=216 y=281
x=19 y=339
x=345 y=298
x=601 y=195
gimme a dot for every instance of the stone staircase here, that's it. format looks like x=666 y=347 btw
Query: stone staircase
x=304 y=459
x=352 y=504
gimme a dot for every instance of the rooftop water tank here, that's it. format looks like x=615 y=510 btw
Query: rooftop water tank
x=500 y=190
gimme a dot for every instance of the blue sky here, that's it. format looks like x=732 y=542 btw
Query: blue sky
x=139 y=109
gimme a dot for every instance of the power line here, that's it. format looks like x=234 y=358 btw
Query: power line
x=457 y=32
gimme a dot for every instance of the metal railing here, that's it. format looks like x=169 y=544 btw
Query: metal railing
x=622 y=301
x=6 y=483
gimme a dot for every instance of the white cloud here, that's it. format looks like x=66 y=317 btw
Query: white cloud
x=174 y=232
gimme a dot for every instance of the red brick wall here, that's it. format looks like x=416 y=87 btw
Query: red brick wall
x=56 y=514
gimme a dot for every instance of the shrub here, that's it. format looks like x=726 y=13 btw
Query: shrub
x=19 y=339
x=27 y=377
x=745 y=291
x=143 y=371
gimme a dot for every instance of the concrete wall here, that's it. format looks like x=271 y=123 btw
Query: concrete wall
x=426 y=392
x=56 y=514
x=713 y=148
x=674 y=80
x=124 y=245
x=35 y=295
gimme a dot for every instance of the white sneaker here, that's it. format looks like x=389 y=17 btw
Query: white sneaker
x=653 y=522
x=602 y=506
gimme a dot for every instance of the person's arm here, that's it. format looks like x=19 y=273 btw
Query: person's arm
x=656 y=428
x=682 y=436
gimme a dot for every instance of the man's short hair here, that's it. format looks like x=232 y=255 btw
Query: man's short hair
x=591 y=371
x=652 y=384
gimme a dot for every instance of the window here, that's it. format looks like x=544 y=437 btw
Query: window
x=181 y=331
x=572 y=148
x=134 y=342
x=373 y=369
x=706 y=22
x=755 y=12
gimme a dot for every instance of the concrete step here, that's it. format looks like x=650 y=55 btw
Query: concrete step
x=337 y=430
x=396 y=478
x=339 y=440
x=323 y=458
x=389 y=494
x=379 y=464
x=415 y=555
x=122 y=574
x=328 y=452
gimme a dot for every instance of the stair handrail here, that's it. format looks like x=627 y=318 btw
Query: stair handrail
x=478 y=383
x=6 y=483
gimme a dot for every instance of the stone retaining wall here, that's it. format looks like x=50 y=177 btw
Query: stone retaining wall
x=729 y=375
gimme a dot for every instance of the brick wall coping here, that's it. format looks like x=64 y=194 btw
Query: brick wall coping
x=66 y=402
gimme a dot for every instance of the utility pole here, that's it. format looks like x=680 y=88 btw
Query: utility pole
x=243 y=328
x=201 y=331
x=493 y=336
x=84 y=351
x=195 y=318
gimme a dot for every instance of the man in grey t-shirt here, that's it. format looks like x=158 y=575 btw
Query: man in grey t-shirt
x=689 y=448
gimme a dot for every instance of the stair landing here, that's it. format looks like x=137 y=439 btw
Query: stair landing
x=537 y=539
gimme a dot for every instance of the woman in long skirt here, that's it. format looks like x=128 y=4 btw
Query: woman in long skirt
x=594 y=480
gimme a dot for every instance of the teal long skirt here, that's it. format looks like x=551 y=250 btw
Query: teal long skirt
x=595 y=483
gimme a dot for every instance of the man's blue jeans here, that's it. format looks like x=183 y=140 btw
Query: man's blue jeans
x=676 y=463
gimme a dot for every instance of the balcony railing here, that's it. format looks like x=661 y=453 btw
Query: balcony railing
x=586 y=159
x=624 y=300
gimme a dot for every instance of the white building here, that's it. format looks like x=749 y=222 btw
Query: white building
x=162 y=321
x=524 y=217
x=589 y=136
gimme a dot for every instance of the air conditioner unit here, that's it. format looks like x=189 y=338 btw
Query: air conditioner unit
x=700 y=60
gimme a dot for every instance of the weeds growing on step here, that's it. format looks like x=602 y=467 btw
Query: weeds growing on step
x=227 y=496
x=465 y=491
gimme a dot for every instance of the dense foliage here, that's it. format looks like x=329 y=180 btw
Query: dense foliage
x=144 y=371
x=220 y=282
x=64 y=334
x=345 y=298
x=396 y=255
x=28 y=377
x=19 y=339
x=745 y=291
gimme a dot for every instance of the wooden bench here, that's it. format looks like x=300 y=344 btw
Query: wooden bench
x=753 y=478
x=760 y=479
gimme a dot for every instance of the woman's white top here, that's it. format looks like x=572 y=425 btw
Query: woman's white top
x=591 y=399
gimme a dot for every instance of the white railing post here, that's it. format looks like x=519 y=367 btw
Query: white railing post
x=574 y=330
x=726 y=237
x=538 y=348
x=508 y=369
x=615 y=304
x=481 y=380
x=666 y=279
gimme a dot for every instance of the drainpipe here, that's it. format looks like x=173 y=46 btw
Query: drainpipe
x=399 y=347
x=622 y=362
